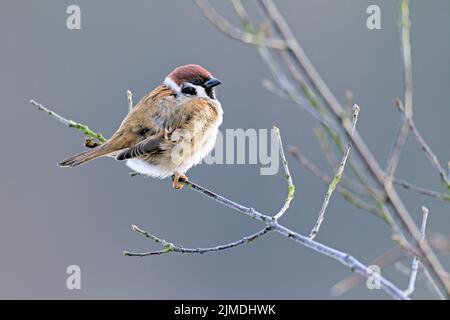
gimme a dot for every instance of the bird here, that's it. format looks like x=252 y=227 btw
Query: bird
x=170 y=130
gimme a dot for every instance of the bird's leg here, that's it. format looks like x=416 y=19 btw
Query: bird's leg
x=176 y=184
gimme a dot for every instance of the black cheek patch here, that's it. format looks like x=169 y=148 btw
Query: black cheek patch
x=189 y=90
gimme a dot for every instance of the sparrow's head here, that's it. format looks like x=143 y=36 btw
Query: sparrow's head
x=192 y=80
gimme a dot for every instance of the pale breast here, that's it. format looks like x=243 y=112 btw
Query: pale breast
x=205 y=138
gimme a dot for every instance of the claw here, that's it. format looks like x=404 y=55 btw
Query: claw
x=177 y=177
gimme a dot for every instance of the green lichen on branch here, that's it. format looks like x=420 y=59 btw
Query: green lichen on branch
x=70 y=123
x=87 y=132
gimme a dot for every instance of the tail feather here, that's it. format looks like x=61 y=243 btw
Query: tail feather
x=84 y=157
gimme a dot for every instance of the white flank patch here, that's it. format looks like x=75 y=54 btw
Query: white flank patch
x=147 y=169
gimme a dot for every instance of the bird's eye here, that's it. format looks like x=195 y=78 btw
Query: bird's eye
x=197 y=81
x=189 y=90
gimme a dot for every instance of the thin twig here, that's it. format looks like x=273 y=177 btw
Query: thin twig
x=227 y=28
x=386 y=259
x=431 y=283
x=363 y=189
x=397 y=146
x=402 y=133
x=170 y=247
x=350 y=185
x=421 y=190
x=415 y=262
x=345 y=191
x=70 y=123
x=336 y=179
x=130 y=100
x=439 y=242
x=276 y=90
x=291 y=187
x=425 y=147
x=424 y=277
x=277 y=71
x=295 y=49
x=406 y=57
x=332 y=133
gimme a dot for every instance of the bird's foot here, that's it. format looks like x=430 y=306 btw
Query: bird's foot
x=177 y=180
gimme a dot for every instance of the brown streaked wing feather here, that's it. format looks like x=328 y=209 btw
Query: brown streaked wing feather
x=142 y=148
x=140 y=118
x=197 y=110
x=158 y=93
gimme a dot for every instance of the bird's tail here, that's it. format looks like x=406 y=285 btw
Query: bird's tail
x=84 y=157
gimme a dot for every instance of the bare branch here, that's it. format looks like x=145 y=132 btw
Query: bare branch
x=402 y=133
x=170 y=247
x=391 y=257
x=337 y=177
x=70 y=123
x=427 y=192
x=227 y=28
x=130 y=100
x=284 y=84
x=406 y=55
x=439 y=242
x=415 y=262
x=431 y=283
x=386 y=259
x=425 y=147
x=296 y=50
x=291 y=187
x=276 y=90
x=347 y=191
x=397 y=146
x=331 y=131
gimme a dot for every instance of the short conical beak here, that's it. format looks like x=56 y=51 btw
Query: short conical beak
x=212 y=83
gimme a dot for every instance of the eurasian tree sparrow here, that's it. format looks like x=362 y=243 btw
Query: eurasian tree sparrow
x=170 y=130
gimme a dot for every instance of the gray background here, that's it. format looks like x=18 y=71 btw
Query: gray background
x=51 y=217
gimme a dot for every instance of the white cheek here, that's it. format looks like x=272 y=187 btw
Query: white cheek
x=201 y=92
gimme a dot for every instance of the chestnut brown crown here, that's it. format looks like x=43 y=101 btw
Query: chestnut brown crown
x=192 y=73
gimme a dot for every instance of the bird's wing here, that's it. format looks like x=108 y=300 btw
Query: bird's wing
x=192 y=116
x=142 y=148
x=143 y=122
